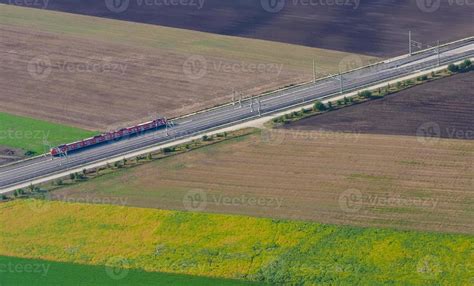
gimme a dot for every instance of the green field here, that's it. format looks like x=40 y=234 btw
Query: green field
x=226 y=246
x=35 y=135
x=19 y=271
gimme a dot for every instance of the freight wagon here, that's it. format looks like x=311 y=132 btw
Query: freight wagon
x=107 y=137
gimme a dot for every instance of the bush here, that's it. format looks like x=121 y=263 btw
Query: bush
x=340 y=102
x=319 y=106
x=422 y=78
x=366 y=94
x=330 y=105
x=453 y=68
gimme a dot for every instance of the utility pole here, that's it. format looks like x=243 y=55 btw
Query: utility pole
x=342 y=82
x=439 y=56
x=314 y=71
x=259 y=106
x=412 y=43
x=240 y=100
x=251 y=104
x=233 y=97
x=409 y=42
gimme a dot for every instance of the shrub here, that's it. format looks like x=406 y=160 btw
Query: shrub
x=366 y=94
x=453 y=68
x=319 y=106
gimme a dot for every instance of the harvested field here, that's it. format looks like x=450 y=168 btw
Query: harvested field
x=100 y=74
x=440 y=109
x=370 y=27
x=364 y=180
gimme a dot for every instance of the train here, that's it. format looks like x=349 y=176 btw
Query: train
x=107 y=137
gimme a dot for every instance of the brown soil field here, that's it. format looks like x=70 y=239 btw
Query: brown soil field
x=370 y=27
x=440 y=109
x=330 y=177
x=101 y=74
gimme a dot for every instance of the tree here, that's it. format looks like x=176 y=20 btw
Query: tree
x=366 y=94
x=346 y=100
x=319 y=106
x=453 y=68
x=59 y=182
x=340 y=102
x=205 y=138
x=149 y=157
x=330 y=105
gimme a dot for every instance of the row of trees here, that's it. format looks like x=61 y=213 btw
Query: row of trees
x=463 y=67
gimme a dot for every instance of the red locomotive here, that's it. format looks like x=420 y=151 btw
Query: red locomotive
x=106 y=137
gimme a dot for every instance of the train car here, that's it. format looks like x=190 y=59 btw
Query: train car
x=107 y=137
